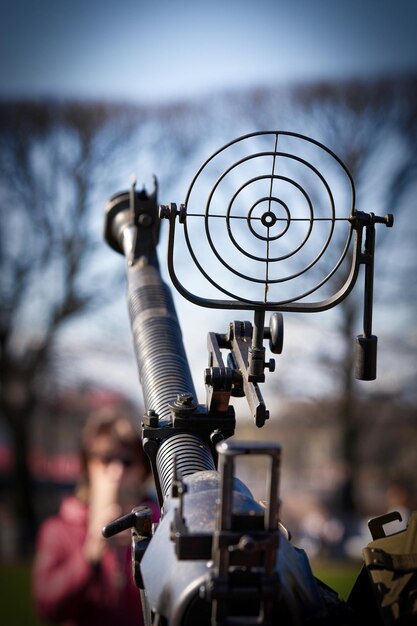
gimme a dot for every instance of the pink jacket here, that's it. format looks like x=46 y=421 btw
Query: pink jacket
x=70 y=591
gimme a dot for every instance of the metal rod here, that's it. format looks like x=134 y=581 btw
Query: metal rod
x=369 y=280
x=258 y=329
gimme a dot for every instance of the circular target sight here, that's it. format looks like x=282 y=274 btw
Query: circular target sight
x=267 y=223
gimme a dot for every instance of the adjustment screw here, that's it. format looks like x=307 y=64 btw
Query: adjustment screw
x=270 y=365
x=185 y=399
x=389 y=220
x=182 y=214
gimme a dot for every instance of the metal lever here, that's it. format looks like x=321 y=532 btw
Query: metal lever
x=240 y=338
x=140 y=518
x=366 y=344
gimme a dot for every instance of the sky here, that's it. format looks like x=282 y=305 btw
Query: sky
x=159 y=50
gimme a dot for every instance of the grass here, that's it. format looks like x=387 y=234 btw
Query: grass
x=15 y=597
x=340 y=576
x=16 y=607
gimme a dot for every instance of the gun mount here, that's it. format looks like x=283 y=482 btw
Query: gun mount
x=282 y=241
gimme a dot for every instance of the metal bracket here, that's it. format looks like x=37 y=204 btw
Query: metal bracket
x=248 y=363
x=139 y=520
x=259 y=582
x=376 y=524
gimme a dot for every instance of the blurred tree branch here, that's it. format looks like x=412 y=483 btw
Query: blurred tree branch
x=56 y=156
x=371 y=126
x=53 y=157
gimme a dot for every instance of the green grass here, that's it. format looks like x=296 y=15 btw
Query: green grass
x=15 y=597
x=339 y=576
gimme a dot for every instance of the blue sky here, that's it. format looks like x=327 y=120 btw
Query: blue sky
x=166 y=50
x=163 y=50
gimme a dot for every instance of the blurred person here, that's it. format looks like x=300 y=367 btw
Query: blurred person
x=399 y=497
x=79 y=577
x=321 y=533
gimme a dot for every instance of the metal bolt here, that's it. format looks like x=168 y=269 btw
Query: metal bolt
x=164 y=211
x=151 y=418
x=208 y=376
x=247 y=544
x=185 y=399
x=145 y=220
x=216 y=436
x=182 y=214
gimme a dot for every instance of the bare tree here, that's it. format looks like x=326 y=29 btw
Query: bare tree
x=59 y=163
x=372 y=127
x=53 y=159
x=57 y=167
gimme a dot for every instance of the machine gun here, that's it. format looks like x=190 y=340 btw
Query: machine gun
x=261 y=236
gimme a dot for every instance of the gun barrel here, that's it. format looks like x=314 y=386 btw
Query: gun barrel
x=132 y=229
x=160 y=354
